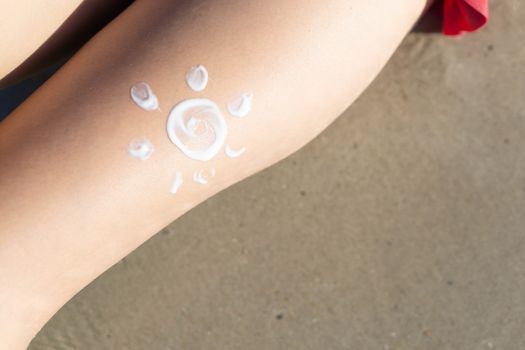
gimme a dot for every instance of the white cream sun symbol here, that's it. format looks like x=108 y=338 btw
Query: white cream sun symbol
x=196 y=125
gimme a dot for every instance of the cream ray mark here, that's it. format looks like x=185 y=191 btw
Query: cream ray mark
x=241 y=105
x=140 y=148
x=203 y=176
x=177 y=182
x=143 y=96
x=232 y=153
x=197 y=78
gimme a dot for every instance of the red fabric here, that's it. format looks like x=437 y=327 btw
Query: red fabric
x=460 y=16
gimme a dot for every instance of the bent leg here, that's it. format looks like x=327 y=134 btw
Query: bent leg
x=74 y=201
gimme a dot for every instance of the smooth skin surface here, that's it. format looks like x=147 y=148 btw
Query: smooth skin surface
x=41 y=33
x=63 y=160
x=28 y=28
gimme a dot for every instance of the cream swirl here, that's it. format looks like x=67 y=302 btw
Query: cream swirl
x=197 y=127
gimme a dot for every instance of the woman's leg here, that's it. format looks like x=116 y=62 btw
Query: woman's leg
x=74 y=202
